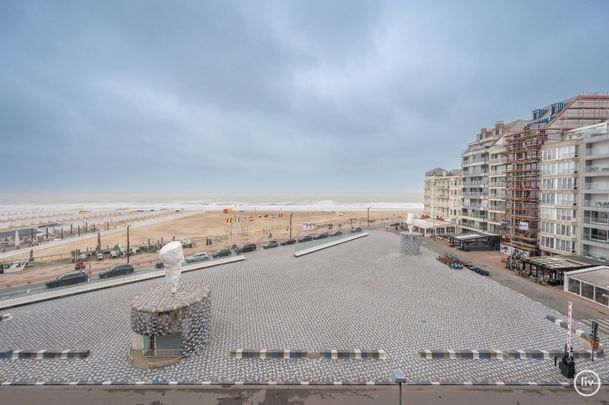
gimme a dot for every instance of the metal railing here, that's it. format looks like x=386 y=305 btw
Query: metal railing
x=596 y=204
x=596 y=186
x=588 y=220
x=597 y=152
x=604 y=170
x=594 y=239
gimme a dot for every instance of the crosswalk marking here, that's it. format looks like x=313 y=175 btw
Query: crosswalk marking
x=603 y=325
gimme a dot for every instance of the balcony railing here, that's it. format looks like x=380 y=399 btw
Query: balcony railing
x=474 y=183
x=475 y=173
x=597 y=152
x=596 y=204
x=604 y=170
x=596 y=186
x=596 y=239
x=596 y=135
x=596 y=221
x=471 y=162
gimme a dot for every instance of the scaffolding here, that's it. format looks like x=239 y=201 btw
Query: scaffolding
x=523 y=157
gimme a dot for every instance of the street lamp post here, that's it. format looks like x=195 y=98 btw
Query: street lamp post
x=128 y=248
x=368 y=217
x=398 y=377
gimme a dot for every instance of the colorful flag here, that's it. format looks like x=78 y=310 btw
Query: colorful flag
x=272 y=216
x=226 y=210
x=238 y=219
x=251 y=218
x=266 y=215
x=228 y=220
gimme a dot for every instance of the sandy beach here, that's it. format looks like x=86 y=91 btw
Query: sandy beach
x=242 y=226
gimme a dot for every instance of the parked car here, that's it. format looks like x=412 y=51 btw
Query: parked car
x=288 y=242
x=100 y=256
x=321 y=236
x=355 y=230
x=80 y=265
x=186 y=243
x=159 y=265
x=270 y=244
x=198 y=257
x=222 y=253
x=72 y=277
x=246 y=247
x=306 y=238
x=337 y=233
x=118 y=270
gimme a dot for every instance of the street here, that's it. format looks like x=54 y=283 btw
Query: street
x=295 y=395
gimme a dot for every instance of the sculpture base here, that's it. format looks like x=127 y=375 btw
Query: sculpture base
x=167 y=326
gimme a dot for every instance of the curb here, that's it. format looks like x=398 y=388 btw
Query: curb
x=502 y=354
x=329 y=244
x=286 y=354
x=44 y=354
x=554 y=383
x=46 y=296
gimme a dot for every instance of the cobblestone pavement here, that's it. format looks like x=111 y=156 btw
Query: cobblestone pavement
x=359 y=295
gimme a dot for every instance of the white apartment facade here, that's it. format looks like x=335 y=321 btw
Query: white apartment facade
x=594 y=191
x=442 y=194
x=558 y=198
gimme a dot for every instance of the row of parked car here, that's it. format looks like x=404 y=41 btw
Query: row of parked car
x=80 y=276
x=250 y=247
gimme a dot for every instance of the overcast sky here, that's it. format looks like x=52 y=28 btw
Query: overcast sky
x=256 y=96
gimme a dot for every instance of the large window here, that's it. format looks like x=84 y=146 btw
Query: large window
x=601 y=296
x=588 y=291
x=574 y=286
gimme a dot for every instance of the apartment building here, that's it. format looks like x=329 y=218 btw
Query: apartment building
x=524 y=165
x=594 y=191
x=483 y=166
x=455 y=195
x=559 y=195
x=440 y=194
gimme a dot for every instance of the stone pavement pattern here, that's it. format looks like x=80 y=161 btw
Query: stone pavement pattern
x=363 y=294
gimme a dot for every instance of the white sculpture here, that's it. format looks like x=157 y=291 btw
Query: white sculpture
x=172 y=257
x=410 y=222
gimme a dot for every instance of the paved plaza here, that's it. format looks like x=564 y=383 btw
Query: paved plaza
x=359 y=295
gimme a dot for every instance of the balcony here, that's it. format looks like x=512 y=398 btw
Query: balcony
x=604 y=186
x=476 y=173
x=474 y=194
x=473 y=162
x=498 y=160
x=474 y=183
x=596 y=221
x=597 y=152
x=597 y=136
x=596 y=204
x=596 y=171
x=597 y=239
x=481 y=207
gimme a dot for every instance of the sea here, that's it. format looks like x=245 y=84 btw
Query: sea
x=32 y=203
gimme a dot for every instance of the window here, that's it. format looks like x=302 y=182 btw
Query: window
x=601 y=296
x=588 y=291
x=574 y=286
